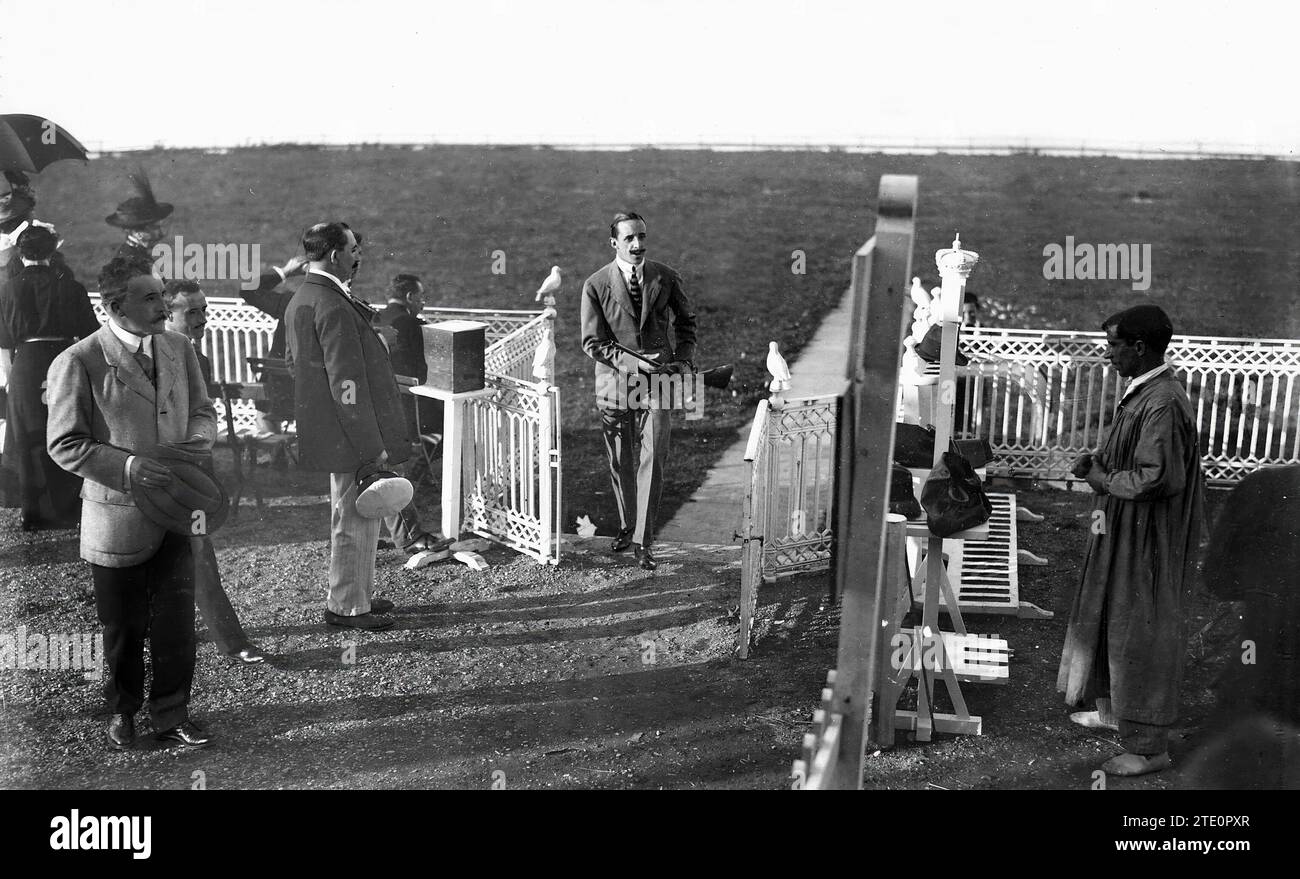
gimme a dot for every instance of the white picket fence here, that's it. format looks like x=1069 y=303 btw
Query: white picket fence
x=1041 y=398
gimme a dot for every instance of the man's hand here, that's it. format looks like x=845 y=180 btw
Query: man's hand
x=148 y=472
x=654 y=367
x=294 y=265
x=1096 y=476
x=1082 y=465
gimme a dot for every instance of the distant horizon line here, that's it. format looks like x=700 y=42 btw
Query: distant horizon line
x=896 y=146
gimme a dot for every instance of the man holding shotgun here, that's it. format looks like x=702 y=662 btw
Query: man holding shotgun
x=626 y=312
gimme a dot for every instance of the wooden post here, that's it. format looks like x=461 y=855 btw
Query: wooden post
x=882 y=270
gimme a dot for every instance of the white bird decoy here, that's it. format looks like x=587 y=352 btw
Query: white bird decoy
x=777 y=366
x=920 y=322
x=936 y=307
x=550 y=286
x=919 y=296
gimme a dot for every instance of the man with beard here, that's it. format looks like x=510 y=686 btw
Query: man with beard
x=348 y=410
x=628 y=303
x=114 y=398
x=401 y=315
x=187 y=314
x=1124 y=645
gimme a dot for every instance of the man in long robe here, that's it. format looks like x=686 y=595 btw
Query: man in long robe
x=1125 y=643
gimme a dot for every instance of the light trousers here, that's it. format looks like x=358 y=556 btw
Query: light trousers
x=353 y=542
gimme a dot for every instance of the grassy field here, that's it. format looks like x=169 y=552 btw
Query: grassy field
x=1222 y=235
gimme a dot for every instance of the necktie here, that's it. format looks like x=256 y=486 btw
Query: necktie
x=146 y=363
x=634 y=288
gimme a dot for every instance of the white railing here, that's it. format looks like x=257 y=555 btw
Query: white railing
x=237 y=331
x=1043 y=397
x=512 y=444
x=1040 y=398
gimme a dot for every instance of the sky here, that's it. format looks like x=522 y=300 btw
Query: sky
x=136 y=73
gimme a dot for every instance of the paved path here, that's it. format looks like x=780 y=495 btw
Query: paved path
x=712 y=515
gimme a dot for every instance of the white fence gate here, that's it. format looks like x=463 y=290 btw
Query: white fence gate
x=510 y=463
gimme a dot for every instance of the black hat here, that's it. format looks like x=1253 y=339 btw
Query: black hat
x=193 y=487
x=929 y=349
x=20 y=200
x=140 y=210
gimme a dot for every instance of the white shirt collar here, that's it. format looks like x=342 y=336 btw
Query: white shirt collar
x=341 y=285
x=626 y=269
x=1143 y=378
x=34 y=262
x=132 y=342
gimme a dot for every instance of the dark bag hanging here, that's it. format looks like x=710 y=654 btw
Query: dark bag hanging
x=976 y=451
x=954 y=498
x=902 y=499
x=913 y=445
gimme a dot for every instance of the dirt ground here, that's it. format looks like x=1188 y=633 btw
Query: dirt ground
x=594 y=674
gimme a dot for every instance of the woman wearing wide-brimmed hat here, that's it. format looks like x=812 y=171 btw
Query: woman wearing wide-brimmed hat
x=140 y=216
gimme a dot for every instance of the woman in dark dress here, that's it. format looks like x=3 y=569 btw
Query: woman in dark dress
x=45 y=310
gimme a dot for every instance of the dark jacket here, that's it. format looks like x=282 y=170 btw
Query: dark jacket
x=272 y=297
x=408 y=349
x=607 y=316
x=346 y=400
x=41 y=302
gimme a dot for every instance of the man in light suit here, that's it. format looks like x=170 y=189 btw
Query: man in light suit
x=630 y=302
x=114 y=397
x=348 y=410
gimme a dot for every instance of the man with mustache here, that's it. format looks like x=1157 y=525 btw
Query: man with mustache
x=1124 y=645
x=629 y=303
x=187 y=314
x=113 y=398
x=348 y=411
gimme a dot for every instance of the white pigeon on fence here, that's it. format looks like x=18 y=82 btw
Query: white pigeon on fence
x=777 y=366
x=919 y=296
x=550 y=286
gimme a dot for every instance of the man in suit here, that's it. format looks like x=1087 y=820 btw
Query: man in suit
x=348 y=410
x=271 y=297
x=187 y=314
x=401 y=320
x=113 y=399
x=630 y=302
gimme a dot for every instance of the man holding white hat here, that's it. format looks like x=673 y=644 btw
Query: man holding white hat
x=350 y=418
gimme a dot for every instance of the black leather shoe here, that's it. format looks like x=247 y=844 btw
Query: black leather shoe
x=622 y=540
x=360 y=621
x=380 y=605
x=121 y=731
x=644 y=560
x=187 y=734
x=248 y=654
x=429 y=542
